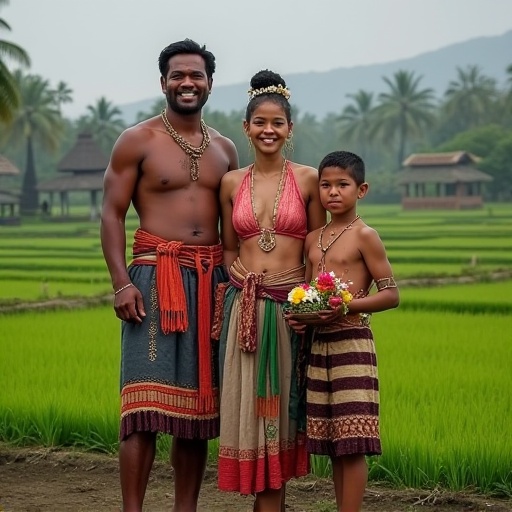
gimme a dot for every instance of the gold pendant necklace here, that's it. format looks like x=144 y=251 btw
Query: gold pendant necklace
x=193 y=153
x=321 y=263
x=267 y=239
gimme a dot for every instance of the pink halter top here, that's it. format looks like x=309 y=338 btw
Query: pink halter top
x=291 y=218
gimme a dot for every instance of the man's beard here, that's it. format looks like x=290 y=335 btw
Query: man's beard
x=185 y=110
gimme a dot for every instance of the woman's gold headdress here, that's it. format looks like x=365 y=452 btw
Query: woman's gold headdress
x=271 y=89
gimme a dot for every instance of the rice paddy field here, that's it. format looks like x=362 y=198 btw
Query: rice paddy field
x=444 y=356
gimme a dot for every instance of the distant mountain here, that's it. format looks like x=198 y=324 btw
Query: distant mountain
x=322 y=92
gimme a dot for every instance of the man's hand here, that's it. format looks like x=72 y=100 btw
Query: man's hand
x=129 y=306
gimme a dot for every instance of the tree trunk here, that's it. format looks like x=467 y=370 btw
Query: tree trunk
x=29 y=203
x=402 y=135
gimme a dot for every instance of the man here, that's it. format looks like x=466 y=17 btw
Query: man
x=169 y=167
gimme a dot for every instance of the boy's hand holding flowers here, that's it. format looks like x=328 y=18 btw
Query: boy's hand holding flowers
x=319 y=302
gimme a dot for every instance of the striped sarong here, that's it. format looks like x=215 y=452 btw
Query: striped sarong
x=343 y=391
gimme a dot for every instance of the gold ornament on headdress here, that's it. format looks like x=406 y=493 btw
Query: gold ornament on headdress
x=271 y=89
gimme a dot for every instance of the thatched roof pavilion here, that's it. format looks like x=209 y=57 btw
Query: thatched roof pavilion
x=442 y=181
x=9 y=201
x=81 y=170
x=7 y=168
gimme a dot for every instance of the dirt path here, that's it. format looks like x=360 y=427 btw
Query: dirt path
x=43 y=480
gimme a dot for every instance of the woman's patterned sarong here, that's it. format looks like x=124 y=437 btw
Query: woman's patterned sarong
x=343 y=391
x=169 y=372
x=262 y=438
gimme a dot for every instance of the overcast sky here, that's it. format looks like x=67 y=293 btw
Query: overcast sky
x=110 y=47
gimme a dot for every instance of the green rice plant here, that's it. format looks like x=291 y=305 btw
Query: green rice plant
x=466 y=307
x=499 y=292
x=18 y=431
x=163 y=448
x=77 y=265
x=496 y=259
x=60 y=384
x=7 y=253
x=503 y=488
x=472 y=244
x=100 y=438
x=54 y=276
x=16 y=291
x=321 y=466
x=412 y=270
x=445 y=417
x=476 y=298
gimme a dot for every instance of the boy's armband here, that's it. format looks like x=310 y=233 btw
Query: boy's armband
x=385 y=282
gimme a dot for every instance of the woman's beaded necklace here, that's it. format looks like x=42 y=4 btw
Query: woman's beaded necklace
x=267 y=239
x=321 y=264
x=193 y=153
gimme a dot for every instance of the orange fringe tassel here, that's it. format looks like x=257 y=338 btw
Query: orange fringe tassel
x=204 y=300
x=268 y=407
x=173 y=303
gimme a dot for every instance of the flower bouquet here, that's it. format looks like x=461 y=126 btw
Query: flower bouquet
x=311 y=303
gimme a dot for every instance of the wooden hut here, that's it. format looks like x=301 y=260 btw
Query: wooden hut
x=9 y=201
x=81 y=170
x=442 y=181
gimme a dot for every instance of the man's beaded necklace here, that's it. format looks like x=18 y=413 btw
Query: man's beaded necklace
x=193 y=153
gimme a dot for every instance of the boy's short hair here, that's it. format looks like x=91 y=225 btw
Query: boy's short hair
x=344 y=160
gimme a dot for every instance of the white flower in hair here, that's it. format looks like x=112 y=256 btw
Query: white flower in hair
x=271 y=89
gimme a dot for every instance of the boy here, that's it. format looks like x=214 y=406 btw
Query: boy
x=342 y=382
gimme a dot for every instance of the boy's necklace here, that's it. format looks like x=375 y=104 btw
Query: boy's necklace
x=321 y=264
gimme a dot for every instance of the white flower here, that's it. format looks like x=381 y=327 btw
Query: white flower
x=311 y=296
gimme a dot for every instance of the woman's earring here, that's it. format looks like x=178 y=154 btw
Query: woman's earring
x=288 y=145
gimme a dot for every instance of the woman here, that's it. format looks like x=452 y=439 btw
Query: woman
x=267 y=210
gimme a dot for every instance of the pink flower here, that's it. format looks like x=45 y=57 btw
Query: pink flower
x=335 y=301
x=325 y=282
x=305 y=286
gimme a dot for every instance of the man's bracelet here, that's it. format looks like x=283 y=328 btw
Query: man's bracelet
x=123 y=288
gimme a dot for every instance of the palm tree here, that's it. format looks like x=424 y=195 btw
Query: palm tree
x=356 y=120
x=507 y=99
x=307 y=139
x=9 y=93
x=154 y=110
x=37 y=121
x=62 y=94
x=104 y=122
x=471 y=97
x=404 y=111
